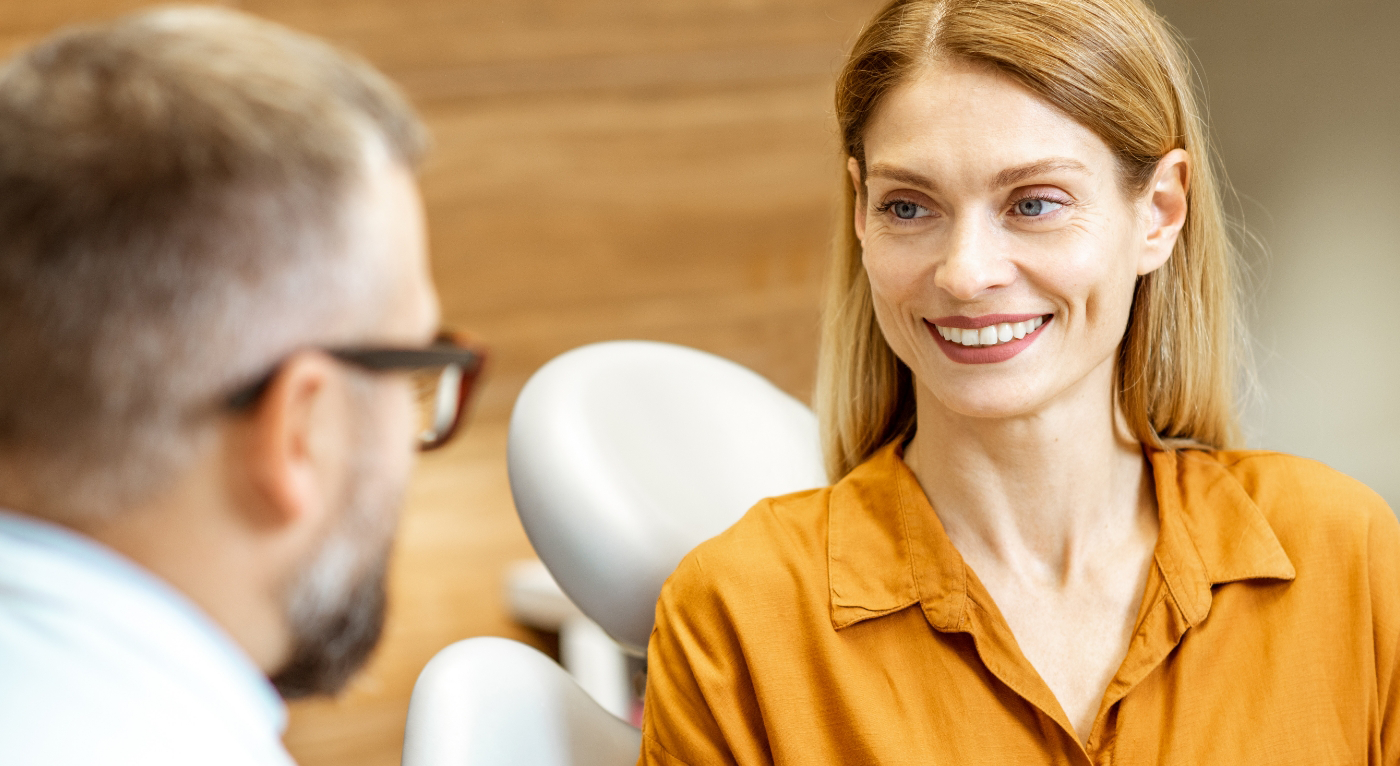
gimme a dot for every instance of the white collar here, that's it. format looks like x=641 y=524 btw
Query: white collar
x=143 y=614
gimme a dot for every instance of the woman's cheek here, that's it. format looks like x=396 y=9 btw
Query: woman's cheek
x=896 y=271
x=894 y=327
x=894 y=293
x=1096 y=285
x=1071 y=274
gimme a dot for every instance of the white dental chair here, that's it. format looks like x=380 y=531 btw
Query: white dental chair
x=623 y=456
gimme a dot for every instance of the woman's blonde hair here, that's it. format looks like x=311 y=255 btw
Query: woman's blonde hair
x=1115 y=67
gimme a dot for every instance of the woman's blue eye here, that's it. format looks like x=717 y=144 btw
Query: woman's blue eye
x=905 y=210
x=1033 y=207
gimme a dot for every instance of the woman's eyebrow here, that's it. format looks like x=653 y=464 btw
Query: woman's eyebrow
x=1013 y=176
x=902 y=175
x=1003 y=179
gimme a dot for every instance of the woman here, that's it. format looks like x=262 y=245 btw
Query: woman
x=1037 y=548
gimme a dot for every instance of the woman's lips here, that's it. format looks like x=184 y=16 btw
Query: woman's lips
x=986 y=339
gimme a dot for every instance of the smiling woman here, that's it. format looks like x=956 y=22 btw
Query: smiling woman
x=1039 y=548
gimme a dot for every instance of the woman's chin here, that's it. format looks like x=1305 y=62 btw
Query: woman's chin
x=988 y=405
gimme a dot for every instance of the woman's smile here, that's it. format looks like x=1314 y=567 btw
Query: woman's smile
x=986 y=339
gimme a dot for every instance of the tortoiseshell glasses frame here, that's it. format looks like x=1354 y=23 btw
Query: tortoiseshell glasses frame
x=444 y=372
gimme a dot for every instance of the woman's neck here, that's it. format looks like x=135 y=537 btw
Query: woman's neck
x=1043 y=493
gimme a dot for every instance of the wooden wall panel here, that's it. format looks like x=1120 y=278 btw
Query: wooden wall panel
x=603 y=169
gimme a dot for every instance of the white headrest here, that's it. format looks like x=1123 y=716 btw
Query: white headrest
x=625 y=455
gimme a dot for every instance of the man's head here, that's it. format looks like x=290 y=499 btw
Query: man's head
x=191 y=201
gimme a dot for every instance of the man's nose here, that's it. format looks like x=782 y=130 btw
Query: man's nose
x=973 y=261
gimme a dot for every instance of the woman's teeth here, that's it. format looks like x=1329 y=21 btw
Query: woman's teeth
x=990 y=335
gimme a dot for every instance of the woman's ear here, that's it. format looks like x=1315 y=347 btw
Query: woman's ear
x=853 y=168
x=1166 y=209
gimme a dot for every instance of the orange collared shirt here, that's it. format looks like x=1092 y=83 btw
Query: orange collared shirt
x=841 y=626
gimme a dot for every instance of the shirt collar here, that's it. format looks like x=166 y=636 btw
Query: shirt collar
x=887 y=549
x=138 y=612
x=1211 y=530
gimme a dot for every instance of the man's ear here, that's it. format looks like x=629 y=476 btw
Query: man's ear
x=295 y=440
x=853 y=168
x=1166 y=209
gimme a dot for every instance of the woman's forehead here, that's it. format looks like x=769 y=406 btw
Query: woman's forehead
x=967 y=124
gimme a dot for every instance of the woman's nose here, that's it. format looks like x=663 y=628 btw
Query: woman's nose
x=972 y=262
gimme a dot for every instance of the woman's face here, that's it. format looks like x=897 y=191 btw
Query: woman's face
x=1001 y=249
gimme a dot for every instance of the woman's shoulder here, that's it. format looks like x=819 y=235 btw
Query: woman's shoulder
x=1277 y=479
x=1304 y=500
x=778 y=545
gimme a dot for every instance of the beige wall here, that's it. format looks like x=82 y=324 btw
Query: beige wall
x=1305 y=101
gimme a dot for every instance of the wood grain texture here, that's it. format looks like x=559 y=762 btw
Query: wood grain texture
x=603 y=169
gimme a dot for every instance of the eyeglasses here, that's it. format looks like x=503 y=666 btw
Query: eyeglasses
x=443 y=373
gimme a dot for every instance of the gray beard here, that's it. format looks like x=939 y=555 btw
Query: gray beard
x=330 y=644
x=336 y=604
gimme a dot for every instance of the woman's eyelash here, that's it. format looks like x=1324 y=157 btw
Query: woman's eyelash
x=1063 y=203
x=884 y=208
x=1043 y=198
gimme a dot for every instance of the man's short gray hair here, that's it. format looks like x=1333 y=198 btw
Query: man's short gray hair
x=174 y=195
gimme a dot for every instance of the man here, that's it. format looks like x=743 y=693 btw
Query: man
x=214 y=300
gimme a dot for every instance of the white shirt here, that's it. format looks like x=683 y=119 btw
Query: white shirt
x=103 y=663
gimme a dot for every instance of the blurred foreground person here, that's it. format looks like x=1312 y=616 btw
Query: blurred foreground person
x=217 y=328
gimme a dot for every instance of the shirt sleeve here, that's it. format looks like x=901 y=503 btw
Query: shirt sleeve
x=700 y=708
x=1384 y=564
